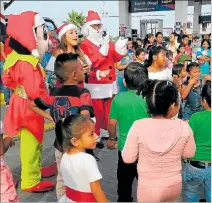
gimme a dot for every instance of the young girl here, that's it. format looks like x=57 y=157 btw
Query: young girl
x=79 y=170
x=181 y=56
x=191 y=91
x=159 y=149
x=159 y=38
x=148 y=41
x=140 y=55
x=8 y=191
x=169 y=59
x=156 y=64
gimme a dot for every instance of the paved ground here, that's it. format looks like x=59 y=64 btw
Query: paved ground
x=107 y=166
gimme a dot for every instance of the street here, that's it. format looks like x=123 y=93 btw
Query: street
x=107 y=166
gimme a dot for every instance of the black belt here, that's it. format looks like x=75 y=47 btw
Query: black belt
x=199 y=164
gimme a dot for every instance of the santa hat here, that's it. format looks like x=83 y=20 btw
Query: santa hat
x=22 y=28
x=93 y=18
x=64 y=28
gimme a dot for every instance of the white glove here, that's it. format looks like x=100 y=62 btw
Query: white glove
x=106 y=39
x=121 y=46
x=105 y=46
x=102 y=74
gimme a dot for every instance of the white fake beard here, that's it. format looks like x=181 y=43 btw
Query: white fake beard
x=41 y=44
x=96 y=35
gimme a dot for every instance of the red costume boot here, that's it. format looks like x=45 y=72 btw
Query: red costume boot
x=43 y=186
x=49 y=170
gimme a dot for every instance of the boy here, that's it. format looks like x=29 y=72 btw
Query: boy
x=197 y=170
x=126 y=108
x=63 y=101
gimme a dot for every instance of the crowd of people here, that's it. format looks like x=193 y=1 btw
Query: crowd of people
x=150 y=99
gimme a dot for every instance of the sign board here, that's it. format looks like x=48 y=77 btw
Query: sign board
x=151 y=5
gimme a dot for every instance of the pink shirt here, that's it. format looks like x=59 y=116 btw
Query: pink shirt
x=188 y=51
x=159 y=150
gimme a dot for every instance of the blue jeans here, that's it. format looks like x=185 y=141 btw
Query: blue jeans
x=196 y=180
x=5 y=89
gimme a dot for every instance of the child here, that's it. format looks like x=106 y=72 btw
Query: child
x=179 y=74
x=126 y=108
x=191 y=91
x=159 y=143
x=8 y=191
x=197 y=170
x=63 y=101
x=79 y=170
x=156 y=64
x=140 y=55
x=181 y=56
x=185 y=42
x=170 y=59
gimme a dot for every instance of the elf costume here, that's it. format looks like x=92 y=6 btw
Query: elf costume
x=24 y=75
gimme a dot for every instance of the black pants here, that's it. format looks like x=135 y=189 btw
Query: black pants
x=126 y=174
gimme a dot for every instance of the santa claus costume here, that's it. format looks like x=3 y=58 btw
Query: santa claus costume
x=101 y=55
x=24 y=75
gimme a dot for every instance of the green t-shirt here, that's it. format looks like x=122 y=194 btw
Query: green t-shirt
x=126 y=108
x=201 y=125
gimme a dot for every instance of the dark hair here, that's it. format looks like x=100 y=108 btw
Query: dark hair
x=209 y=35
x=135 y=75
x=206 y=93
x=73 y=126
x=146 y=39
x=177 y=68
x=160 y=95
x=180 y=46
x=154 y=51
x=129 y=38
x=191 y=65
x=174 y=33
x=135 y=45
x=206 y=40
x=158 y=33
x=169 y=53
x=61 y=69
x=139 y=51
x=139 y=39
x=185 y=36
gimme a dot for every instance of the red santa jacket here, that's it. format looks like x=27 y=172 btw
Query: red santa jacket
x=100 y=62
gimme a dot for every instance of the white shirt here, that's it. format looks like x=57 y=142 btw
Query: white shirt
x=78 y=171
x=165 y=74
